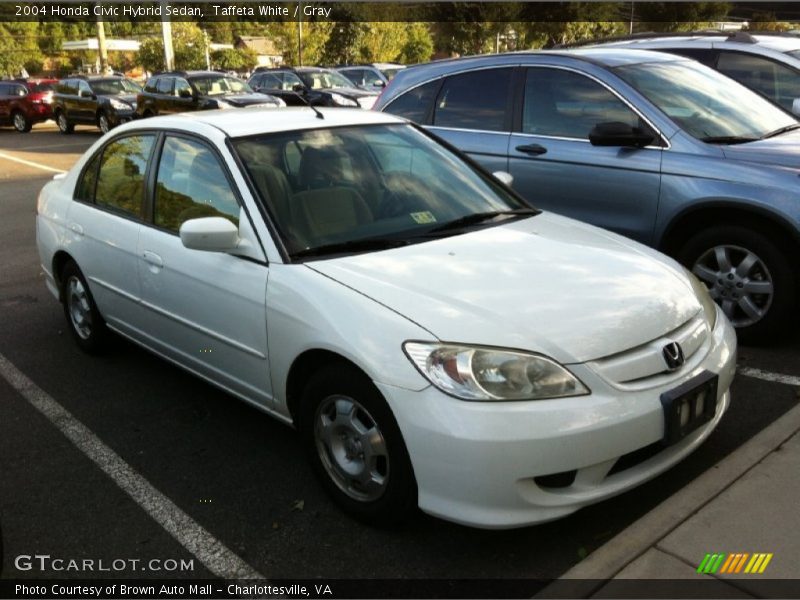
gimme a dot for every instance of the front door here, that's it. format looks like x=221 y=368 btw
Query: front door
x=207 y=309
x=555 y=167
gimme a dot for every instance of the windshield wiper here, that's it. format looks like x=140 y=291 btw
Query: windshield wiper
x=781 y=130
x=363 y=245
x=481 y=217
x=728 y=139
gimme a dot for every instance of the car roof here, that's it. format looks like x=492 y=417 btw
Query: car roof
x=244 y=122
x=780 y=43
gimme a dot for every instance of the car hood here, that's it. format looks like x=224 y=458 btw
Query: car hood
x=129 y=98
x=245 y=99
x=350 y=92
x=781 y=150
x=546 y=284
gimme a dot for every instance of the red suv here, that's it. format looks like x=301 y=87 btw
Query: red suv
x=24 y=103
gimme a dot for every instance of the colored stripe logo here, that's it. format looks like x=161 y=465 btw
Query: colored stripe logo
x=737 y=562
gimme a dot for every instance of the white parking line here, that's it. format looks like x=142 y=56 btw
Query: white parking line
x=187 y=532
x=767 y=376
x=30 y=163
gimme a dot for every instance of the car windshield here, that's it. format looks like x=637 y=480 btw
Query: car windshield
x=112 y=87
x=324 y=80
x=361 y=188
x=705 y=103
x=218 y=85
x=793 y=53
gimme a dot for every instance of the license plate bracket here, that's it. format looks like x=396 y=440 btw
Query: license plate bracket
x=689 y=406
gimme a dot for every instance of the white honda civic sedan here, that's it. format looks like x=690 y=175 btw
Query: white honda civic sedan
x=436 y=341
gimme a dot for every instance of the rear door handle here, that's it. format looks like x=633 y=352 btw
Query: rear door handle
x=75 y=228
x=534 y=149
x=153 y=259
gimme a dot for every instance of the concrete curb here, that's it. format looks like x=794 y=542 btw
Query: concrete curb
x=585 y=578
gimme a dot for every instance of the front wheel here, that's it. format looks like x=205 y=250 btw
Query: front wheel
x=748 y=275
x=103 y=123
x=64 y=126
x=21 y=122
x=355 y=446
x=83 y=318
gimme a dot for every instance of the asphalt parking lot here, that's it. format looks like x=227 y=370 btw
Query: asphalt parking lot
x=237 y=473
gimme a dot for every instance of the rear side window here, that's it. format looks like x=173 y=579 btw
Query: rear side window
x=191 y=184
x=415 y=105
x=777 y=82
x=86 y=186
x=476 y=100
x=120 y=182
x=164 y=85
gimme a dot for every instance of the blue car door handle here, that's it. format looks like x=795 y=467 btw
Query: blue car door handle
x=534 y=149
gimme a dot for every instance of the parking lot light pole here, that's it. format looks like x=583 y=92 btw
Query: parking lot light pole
x=166 y=31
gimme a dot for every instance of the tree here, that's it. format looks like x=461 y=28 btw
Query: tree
x=188 y=44
x=418 y=46
x=234 y=59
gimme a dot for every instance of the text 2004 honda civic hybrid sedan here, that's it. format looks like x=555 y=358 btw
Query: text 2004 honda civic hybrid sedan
x=437 y=342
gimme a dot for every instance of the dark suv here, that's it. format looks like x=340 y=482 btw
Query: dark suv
x=102 y=101
x=311 y=85
x=181 y=91
x=25 y=103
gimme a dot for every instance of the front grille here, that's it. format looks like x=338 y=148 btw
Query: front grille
x=644 y=366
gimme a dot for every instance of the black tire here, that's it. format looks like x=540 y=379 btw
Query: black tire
x=148 y=113
x=397 y=497
x=729 y=287
x=64 y=126
x=21 y=123
x=103 y=122
x=84 y=320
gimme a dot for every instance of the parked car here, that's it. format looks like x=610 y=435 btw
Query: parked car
x=101 y=101
x=767 y=64
x=437 y=341
x=653 y=146
x=374 y=77
x=25 y=103
x=181 y=91
x=311 y=86
x=365 y=77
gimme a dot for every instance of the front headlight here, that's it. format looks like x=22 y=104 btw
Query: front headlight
x=478 y=373
x=119 y=104
x=706 y=301
x=340 y=100
x=223 y=104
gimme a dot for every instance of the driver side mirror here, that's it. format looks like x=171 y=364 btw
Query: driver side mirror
x=211 y=234
x=185 y=93
x=379 y=83
x=615 y=133
x=299 y=87
x=85 y=94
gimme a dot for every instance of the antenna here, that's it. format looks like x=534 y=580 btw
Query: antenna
x=311 y=106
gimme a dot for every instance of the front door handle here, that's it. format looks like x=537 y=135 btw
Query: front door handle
x=153 y=259
x=76 y=229
x=534 y=149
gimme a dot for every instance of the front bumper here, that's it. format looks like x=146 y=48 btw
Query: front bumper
x=475 y=462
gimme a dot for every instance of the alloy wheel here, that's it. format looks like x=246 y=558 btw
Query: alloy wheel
x=103 y=123
x=738 y=280
x=62 y=122
x=20 y=123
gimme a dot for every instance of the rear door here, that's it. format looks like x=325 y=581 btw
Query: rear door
x=555 y=167
x=103 y=225
x=472 y=111
x=5 y=101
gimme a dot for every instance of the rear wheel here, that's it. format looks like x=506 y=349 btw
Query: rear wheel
x=83 y=319
x=21 y=122
x=748 y=274
x=355 y=446
x=64 y=126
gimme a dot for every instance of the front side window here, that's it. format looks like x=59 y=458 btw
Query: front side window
x=325 y=80
x=191 y=184
x=563 y=103
x=218 y=85
x=120 y=181
x=370 y=183
x=115 y=87
x=182 y=87
x=415 y=105
x=705 y=103
x=476 y=100
x=151 y=85
x=778 y=82
x=164 y=85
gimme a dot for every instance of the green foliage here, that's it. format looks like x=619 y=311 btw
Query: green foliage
x=188 y=43
x=234 y=59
